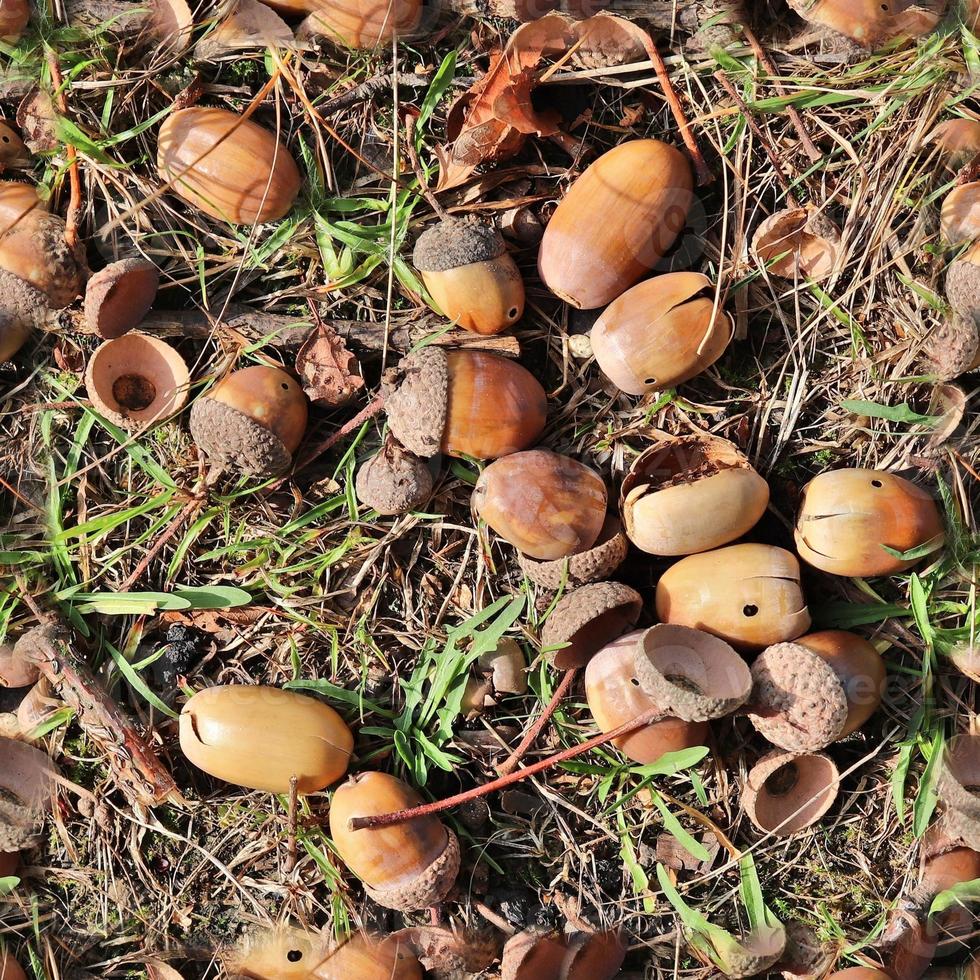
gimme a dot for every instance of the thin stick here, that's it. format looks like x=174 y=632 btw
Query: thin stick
x=189 y=511
x=75 y=203
x=348 y=427
x=510 y=763
x=439 y=806
x=292 y=851
x=413 y=157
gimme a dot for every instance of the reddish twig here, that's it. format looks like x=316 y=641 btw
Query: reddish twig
x=531 y=736
x=190 y=509
x=346 y=429
x=430 y=809
x=75 y=204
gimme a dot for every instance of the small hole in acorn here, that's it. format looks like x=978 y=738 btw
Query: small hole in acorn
x=294 y=955
x=634 y=682
x=133 y=392
x=6 y=139
x=783 y=780
x=750 y=610
x=876 y=483
x=285 y=387
x=512 y=313
x=649 y=382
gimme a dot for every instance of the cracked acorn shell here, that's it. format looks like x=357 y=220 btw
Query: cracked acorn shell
x=592 y=565
x=960 y=214
x=230 y=168
x=34 y=249
x=253 y=419
x=847 y=518
x=798 y=242
x=747 y=594
x=615 y=697
x=816 y=690
x=660 y=333
x=785 y=793
x=361 y=24
x=464 y=403
x=407 y=866
x=874 y=24
x=546 y=505
x=688 y=494
x=260 y=737
x=616 y=222
x=470 y=274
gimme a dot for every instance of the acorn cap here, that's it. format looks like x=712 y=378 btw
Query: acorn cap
x=804 y=702
x=416 y=400
x=694 y=675
x=598 y=563
x=959 y=775
x=755 y=952
x=532 y=955
x=593 y=956
x=953 y=348
x=587 y=619
x=119 y=296
x=785 y=793
x=26 y=782
x=429 y=888
x=22 y=300
x=231 y=437
x=963 y=283
x=446 y=952
x=393 y=481
x=455 y=242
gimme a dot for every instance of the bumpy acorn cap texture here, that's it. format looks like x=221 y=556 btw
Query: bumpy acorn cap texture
x=119 y=296
x=429 y=888
x=231 y=437
x=594 y=565
x=963 y=284
x=394 y=481
x=416 y=400
x=953 y=348
x=67 y=264
x=806 y=696
x=455 y=242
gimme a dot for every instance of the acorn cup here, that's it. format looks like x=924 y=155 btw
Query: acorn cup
x=118 y=297
x=252 y=420
x=963 y=283
x=959 y=217
x=546 y=505
x=816 y=690
x=615 y=223
x=953 y=349
x=748 y=594
x=363 y=24
x=394 y=481
x=849 y=517
x=406 y=866
x=469 y=273
x=229 y=167
x=136 y=379
x=261 y=737
x=592 y=565
x=687 y=494
x=786 y=793
x=660 y=333
x=615 y=697
x=872 y=24
x=465 y=403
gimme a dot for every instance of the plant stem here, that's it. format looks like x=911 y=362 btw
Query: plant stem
x=292 y=851
x=430 y=809
x=530 y=737
x=75 y=203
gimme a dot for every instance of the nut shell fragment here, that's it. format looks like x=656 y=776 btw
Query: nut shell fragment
x=798 y=243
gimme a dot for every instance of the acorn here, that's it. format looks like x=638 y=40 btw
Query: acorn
x=136 y=379
x=860 y=973
x=361 y=23
x=615 y=697
x=535 y=954
x=660 y=333
x=470 y=274
x=14 y=16
x=34 y=248
x=747 y=594
x=941 y=870
x=118 y=297
x=616 y=223
x=963 y=282
x=406 y=866
x=229 y=167
x=873 y=24
x=394 y=481
x=786 y=793
x=584 y=620
x=281 y=953
x=596 y=563
x=593 y=956
x=546 y=505
x=953 y=349
x=15 y=669
x=17 y=199
x=849 y=517
x=10 y=969
x=260 y=737
x=960 y=214
x=364 y=957
x=253 y=419
x=27 y=781
x=816 y=690
x=464 y=403
x=798 y=243
x=687 y=494
x=958 y=139
x=13 y=153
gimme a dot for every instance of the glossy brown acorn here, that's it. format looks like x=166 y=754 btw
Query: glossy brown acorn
x=615 y=697
x=615 y=223
x=358 y=23
x=16 y=200
x=960 y=215
x=406 y=866
x=849 y=516
x=33 y=247
x=546 y=505
x=10 y=969
x=873 y=24
x=231 y=168
x=260 y=737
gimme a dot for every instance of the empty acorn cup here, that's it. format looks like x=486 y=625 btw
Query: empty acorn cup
x=136 y=379
x=119 y=296
x=586 y=619
x=785 y=793
x=816 y=690
x=592 y=565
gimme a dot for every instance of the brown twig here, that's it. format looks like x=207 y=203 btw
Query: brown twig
x=75 y=203
x=190 y=509
x=439 y=806
x=413 y=157
x=292 y=851
x=531 y=736
x=348 y=427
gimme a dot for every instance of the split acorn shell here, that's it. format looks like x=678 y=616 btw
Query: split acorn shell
x=847 y=518
x=406 y=866
x=230 y=168
x=615 y=223
x=260 y=737
x=546 y=505
x=660 y=333
x=361 y=24
x=688 y=494
x=748 y=594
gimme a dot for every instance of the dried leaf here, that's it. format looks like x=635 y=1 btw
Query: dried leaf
x=248 y=26
x=330 y=372
x=38 y=122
